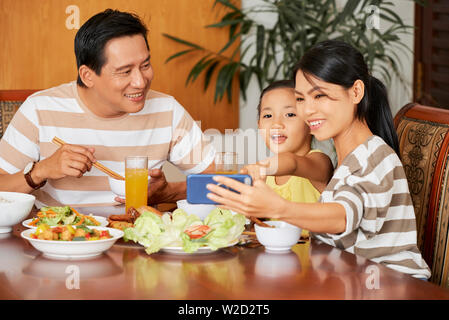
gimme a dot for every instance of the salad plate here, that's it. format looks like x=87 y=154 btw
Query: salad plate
x=103 y=222
x=73 y=250
x=201 y=250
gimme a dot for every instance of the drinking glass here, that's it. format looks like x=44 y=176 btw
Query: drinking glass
x=226 y=163
x=136 y=181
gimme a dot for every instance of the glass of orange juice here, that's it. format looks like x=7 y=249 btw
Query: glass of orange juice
x=136 y=181
x=226 y=163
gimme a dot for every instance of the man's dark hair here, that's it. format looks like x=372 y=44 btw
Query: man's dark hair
x=93 y=35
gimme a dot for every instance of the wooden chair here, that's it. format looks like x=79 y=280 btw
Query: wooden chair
x=424 y=147
x=10 y=101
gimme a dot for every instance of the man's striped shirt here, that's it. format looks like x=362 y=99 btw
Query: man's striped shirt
x=162 y=130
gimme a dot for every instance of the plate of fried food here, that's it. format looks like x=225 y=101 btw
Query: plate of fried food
x=123 y=221
x=61 y=216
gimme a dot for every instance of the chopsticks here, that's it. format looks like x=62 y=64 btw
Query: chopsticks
x=97 y=165
x=260 y=223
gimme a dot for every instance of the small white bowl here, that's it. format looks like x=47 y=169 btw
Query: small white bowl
x=278 y=239
x=14 y=207
x=201 y=210
x=118 y=186
x=73 y=250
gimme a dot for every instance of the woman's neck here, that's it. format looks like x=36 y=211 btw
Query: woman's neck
x=350 y=139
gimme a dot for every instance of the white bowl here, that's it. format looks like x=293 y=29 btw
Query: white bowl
x=16 y=209
x=201 y=210
x=72 y=250
x=278 y=239
x=118 y=186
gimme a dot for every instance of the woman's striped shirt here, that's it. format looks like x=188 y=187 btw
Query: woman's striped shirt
x=371 y=185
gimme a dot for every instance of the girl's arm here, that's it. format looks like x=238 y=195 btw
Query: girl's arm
x=261 y=201
x=316 y=166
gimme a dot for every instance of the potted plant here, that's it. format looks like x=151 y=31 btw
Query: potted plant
x=268 y=52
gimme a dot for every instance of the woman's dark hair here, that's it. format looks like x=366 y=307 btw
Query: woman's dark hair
x=339 y=63
x=280 y=84
x=93 y=35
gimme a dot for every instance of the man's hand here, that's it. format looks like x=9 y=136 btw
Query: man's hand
x=161 y=191
x=158 y=188
x=68 y=160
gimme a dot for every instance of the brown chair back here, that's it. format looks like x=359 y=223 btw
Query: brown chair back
x=10 y=101
x=424 y=148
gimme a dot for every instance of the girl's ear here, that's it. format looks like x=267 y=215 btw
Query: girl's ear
x=357 y=91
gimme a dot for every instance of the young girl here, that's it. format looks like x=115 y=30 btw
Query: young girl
x=366 y=208
x=287 y=135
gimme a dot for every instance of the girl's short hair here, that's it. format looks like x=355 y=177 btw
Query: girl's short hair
x=280 y=84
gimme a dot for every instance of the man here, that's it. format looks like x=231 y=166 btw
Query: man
x=109 y=113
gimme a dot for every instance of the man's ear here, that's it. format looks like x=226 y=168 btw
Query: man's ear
x=86 y=74
x=357 y=91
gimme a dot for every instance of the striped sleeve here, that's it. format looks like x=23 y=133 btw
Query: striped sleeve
x=190 y=151
x=380 y=222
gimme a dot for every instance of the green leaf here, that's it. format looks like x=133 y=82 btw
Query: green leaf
x=225 y=23
x=224 y=81
x=230 y=42
x=198 y=67
x=185 y=42
x=227 y=3
x=260 y=41
x=347 y=11
x=178 y=54
x=209 y=72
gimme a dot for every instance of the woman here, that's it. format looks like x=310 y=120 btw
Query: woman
x=366 y=207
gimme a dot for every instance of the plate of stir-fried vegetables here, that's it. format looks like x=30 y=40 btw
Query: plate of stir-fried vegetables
x=67 y=242
x=61 y=216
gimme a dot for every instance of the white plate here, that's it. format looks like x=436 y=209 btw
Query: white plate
x=103 y=222
x=201 y=250
x=72 y=250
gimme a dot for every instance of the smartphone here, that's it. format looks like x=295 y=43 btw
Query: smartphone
x=196 y=186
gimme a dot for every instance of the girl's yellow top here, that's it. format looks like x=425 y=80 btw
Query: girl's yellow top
x=296 y=189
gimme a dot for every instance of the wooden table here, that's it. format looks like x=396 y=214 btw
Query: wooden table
x=312 y=270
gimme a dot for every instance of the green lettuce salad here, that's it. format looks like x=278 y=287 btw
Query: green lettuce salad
x=56 y=216
x=219 y=229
